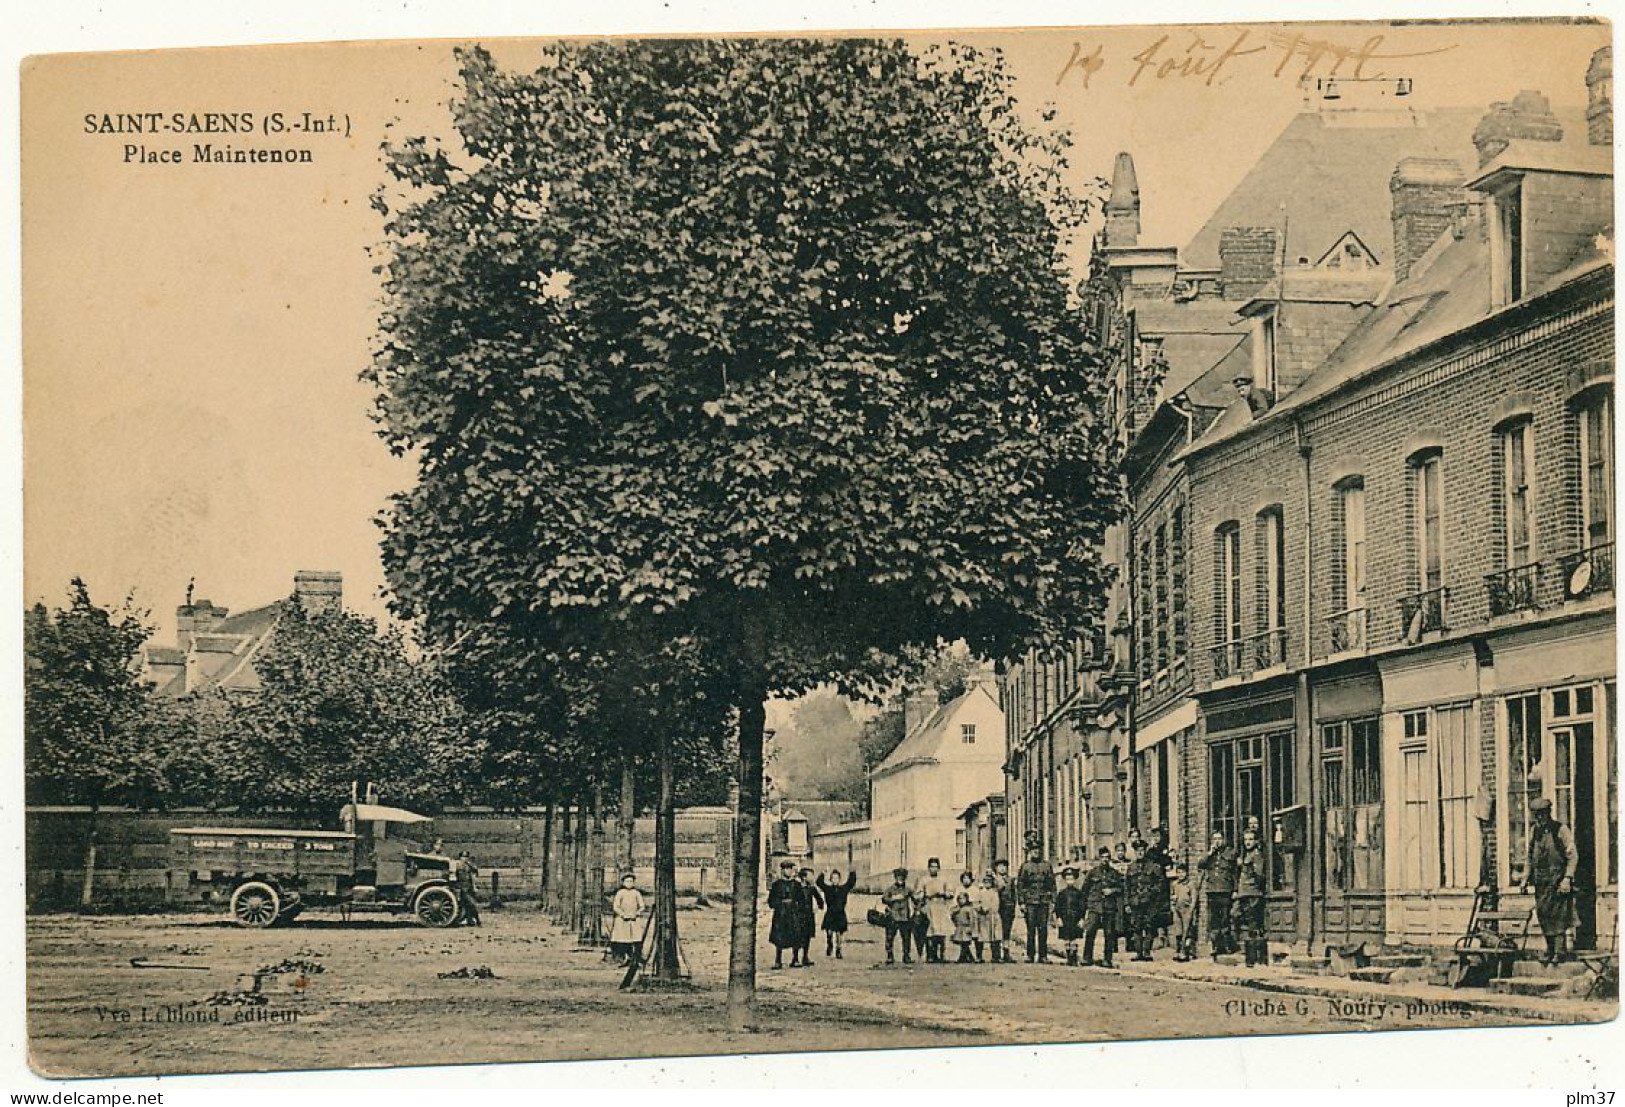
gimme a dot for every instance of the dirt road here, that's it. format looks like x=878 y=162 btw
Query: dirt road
x=373 y=993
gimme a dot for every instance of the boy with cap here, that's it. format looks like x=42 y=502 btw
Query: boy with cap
x=1071 y=903
x=898 y=900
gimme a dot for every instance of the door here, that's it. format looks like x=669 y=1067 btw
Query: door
x=1568 y=786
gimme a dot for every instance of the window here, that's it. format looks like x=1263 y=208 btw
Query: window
x=1147 y=618
x=1348 y=623
x=967 y=733
x=1518 y=525
x=1227 y=585
x=1264 y=352
x=1271 y=588
x=1438 y=779
x=1523 y=777
x=1507 y=246
x=1352 y=774
x=1597 y=469
x=1160 y=570
x=1176 y=583
x=959 y=847
x=1427 y=523
x=1281 y=792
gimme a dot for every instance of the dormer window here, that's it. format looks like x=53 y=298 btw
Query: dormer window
x=1264 y=352
x=1506 y=245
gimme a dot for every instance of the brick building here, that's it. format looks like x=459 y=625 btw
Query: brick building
x=1367 y=583
x=216 y=649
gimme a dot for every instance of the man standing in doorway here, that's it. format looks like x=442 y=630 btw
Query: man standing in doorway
x=1550 y=873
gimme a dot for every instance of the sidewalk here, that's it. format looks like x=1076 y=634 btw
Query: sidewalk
x=1423 y=998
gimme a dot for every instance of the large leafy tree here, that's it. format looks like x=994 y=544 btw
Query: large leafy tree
x=83 y=702
x=772 y=338
x=341 y=702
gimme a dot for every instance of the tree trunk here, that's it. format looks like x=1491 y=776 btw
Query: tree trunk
x=564 y=911
x=752 y=691
x=664 y=960
x=578 y=869
x=592 y=922
x=87 y=890
x=546 y=892
x=627 y=817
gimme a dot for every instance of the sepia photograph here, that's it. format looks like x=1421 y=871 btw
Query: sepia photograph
x=668 y=545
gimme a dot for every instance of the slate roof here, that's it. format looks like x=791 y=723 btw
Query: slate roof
x=1330 y=170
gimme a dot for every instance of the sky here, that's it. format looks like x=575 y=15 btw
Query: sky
x=193 y=334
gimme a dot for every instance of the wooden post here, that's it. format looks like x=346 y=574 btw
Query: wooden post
x=752 y=702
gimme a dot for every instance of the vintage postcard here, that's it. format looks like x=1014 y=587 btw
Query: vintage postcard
x=608 y=548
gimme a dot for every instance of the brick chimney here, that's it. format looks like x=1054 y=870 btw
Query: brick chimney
x=192 y=619
x=1123 y=205
x=1526 y=117
x=1600 y=98
x=1247 y=260
x=319 y=591
x=917 y=708
x=1427 y=193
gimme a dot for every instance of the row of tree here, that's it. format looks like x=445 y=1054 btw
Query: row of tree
x=732 y=368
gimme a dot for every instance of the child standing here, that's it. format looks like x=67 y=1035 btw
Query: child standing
x=964 y=917
x=988 y=923
x=1071 y=903
x=627 y=906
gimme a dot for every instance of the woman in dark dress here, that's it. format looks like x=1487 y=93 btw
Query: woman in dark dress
x=782 y=899
x=835 y=893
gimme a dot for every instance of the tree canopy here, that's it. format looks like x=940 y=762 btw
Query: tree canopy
x=83 y=702
x=773 y=339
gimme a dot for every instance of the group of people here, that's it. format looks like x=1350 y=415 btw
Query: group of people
x=1135 y=895
x=793 y=899
x=1235 y=883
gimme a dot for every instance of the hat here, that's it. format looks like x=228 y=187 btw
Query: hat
x=899 y=871
x=1540 y=803
x=1104 y=851
x=787 y=864
x=1241 y=378
x=1070 y=870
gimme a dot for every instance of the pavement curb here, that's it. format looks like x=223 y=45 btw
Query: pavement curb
x=1570 y=1012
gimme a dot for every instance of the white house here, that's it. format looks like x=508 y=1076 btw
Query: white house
x=951 y=756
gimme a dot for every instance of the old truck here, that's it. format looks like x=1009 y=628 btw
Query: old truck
x=268 y=876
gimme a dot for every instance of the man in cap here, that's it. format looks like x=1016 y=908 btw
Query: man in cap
x=898 y=900
x=1102 y=889
x=1035 y=888
x=1218 y=871
x=1550 y=873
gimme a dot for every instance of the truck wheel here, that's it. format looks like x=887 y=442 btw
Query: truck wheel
x=435 y=907
x=255 y=904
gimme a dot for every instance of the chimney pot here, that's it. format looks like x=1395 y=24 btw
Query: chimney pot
x=1527 y=117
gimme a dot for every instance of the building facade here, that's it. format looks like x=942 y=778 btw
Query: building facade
x=1365 y=588
x=950 y=757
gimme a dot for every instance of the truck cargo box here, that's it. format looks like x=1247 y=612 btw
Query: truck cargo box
x=207 y=852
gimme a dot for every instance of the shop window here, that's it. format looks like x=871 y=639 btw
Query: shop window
x=1352 y=778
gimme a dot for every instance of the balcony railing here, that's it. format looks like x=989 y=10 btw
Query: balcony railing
x=1588 y=572
x=1421 y=612
x=1268 y=649
x=1516 y=589
x=1227 y=657
x=1249 y=655
x=1347 y=630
